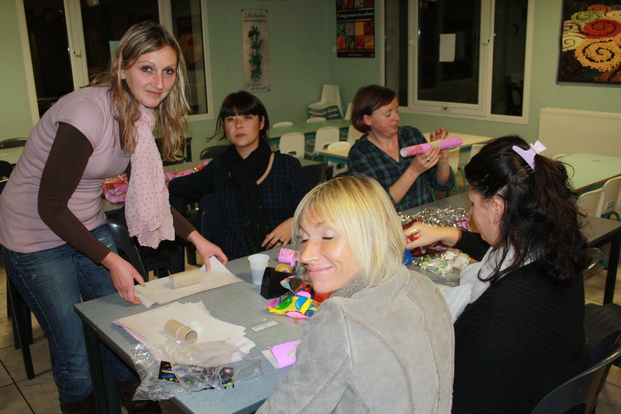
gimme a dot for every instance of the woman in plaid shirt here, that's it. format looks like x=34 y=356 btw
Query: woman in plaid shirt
x=375 y=112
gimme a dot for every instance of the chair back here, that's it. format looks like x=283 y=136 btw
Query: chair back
x=314 y=174
x=454 y=164
x=330 y=94
x=338 y=145
x=324 y=137
x=591 y=203
x=282 y=124
x=213 y=152
x=348 y=111
x=612 y=196
x=474 y=150
x=13 y=142
x=582 y=390
x=315 y=119
x=292 y=144
x=127 y=248
x=353 y=135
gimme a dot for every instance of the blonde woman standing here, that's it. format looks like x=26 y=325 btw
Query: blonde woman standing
x=57 y=243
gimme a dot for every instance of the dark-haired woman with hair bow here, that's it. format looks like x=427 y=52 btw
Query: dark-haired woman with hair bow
x=521 y=332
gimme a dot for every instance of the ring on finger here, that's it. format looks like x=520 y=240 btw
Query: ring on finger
x=427 y=159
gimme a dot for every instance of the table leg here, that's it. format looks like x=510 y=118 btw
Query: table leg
x=106 y=396
x=613 y=264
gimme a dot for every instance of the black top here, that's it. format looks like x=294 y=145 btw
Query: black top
x=520 y=340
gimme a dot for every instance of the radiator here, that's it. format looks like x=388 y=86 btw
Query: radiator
x=567 y=131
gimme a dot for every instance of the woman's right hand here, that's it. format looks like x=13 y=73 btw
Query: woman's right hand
x=123 y=275
x=419 y=235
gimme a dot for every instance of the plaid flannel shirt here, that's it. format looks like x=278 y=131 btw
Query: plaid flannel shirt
x=366 y=158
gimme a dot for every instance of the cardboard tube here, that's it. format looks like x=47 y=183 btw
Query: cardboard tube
x=182 y=279
x=180 y=332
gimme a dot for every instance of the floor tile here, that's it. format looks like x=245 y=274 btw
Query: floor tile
x=14 y=363
x=13 y=402
x=5 y=378
x=41 y=393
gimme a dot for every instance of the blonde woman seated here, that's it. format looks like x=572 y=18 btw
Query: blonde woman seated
x=383 y=342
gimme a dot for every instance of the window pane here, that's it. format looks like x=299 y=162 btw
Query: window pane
x=186 y=16
x=396 y=63
x=509 y=51
x=105 y=22
x=49 y=49
x=457 y=79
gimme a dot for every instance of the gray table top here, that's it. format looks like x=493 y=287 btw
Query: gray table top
x=240 y=304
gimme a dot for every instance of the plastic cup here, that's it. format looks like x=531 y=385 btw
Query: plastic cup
x=258 y=263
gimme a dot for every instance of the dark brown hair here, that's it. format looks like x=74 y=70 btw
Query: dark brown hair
x=540 y=220
x=368 y=99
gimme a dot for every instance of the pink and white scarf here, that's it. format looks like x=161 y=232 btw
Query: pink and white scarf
x=147 y=209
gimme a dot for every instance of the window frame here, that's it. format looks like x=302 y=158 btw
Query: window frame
x=77 y=47
x=482 y=110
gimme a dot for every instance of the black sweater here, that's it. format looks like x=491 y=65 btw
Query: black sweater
x=521 y=339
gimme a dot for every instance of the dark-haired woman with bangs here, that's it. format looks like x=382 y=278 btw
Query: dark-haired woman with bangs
x=521 y=332
x=257 y=190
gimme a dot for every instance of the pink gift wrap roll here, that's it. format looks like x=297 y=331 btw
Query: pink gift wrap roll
x=423 y=148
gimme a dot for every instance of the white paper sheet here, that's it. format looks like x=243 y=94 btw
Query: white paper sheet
x=159 y=291
x=148 y=327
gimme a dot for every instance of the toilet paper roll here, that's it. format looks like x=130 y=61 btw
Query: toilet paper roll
x=182 y=279
x=180 y=331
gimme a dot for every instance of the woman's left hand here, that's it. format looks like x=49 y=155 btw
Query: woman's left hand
x=207 y=249
x=280 y=236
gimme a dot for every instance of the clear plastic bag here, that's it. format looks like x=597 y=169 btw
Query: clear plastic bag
x=181 y=368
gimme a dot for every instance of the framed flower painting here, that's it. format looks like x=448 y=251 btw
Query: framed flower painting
x=591 y=42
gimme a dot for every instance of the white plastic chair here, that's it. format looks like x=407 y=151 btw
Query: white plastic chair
x=454 y=164
x=353 y=135
x=324 y=137
x=282 y=124
x=348 y=112
x=315 y=119
x=338 y=167
x=474 y=150
x=292 y=144
x=330 y=104
x=592 y=202
x=611 y=198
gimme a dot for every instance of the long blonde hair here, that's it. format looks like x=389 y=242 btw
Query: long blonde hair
x=172 y=112
x=359 y=209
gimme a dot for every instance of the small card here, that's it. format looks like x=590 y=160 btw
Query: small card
x=282 y=355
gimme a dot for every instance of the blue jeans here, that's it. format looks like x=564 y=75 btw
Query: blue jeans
x=51 y=282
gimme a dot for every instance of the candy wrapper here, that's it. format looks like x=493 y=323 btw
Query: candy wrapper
x=456 y=217
x=302 y=302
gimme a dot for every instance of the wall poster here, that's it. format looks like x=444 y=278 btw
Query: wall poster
x=355 y=28
x=591 y=42
x=256 y=50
